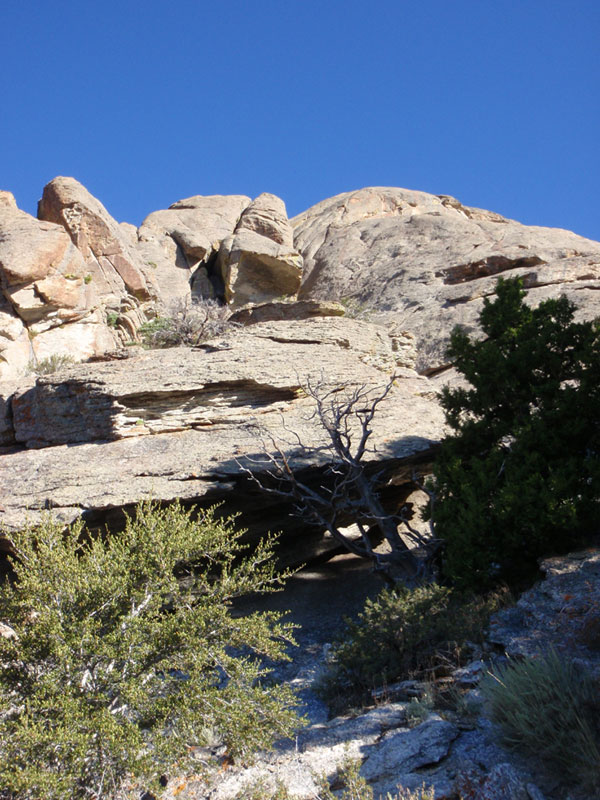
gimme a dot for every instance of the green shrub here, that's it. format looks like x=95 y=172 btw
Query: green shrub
x=125 y=653
x=549 y=708
x=519 y=476
x=54 y=363
x=404 y=633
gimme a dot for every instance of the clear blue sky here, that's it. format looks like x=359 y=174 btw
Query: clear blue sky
x=146 y=102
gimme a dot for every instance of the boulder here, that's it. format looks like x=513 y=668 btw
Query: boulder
x=258 y=263
x=45 y=286
x=426 y=261
x=116 y=269
x=185 y=238
x=282 y=310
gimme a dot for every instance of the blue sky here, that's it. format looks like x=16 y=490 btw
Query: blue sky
x=496 y=103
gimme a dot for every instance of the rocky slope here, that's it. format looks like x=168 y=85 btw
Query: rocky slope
x=95 y=437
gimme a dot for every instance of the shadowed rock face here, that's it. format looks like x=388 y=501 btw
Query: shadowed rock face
x=427 y=261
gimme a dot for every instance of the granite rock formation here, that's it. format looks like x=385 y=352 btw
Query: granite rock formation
x=96 y=437
x=426 y=261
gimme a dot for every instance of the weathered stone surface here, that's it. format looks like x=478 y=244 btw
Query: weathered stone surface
x=81 y=339
x=44 y=281
x=15 y=347
x=407 y=750
x=259 y=263
x=427 y=262
x=31 y=250
x=114 y=265
x=267 y=216
x=560 y=611
x=174 y=423
x=176 y=241
x=281 y=310
x=7 y=199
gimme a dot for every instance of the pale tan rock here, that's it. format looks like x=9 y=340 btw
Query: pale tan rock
x=178 y=242
x=30 y=250
x=7 y=199
x=174 y=423
x=267 y=216
x=78 y=340
x=15 y=347
x=111 y=259
x=427 y=262
x=258 y=262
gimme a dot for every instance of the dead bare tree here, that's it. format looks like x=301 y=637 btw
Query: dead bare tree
x=349 y=492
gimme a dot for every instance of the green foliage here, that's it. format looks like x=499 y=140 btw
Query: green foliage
x=112 y=319
x=126 y=653
x=402 y=633
x=520 y=473
x=54 y=363
x=549 y=708
x=87 y=278
x=354 y=308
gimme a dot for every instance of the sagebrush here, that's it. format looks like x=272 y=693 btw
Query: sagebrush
x=124 y=655
x=186 y=323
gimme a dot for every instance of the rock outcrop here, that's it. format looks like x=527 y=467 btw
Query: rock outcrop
x=427 y=262
x=94 y=438
x=181 y=244
x=49 y=301
x=258 y=262
x=181 y=422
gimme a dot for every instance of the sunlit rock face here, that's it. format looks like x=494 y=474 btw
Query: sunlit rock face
x=426 y=261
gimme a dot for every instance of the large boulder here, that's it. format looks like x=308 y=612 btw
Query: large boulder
x=427 y=262
x=258 y=262
x=115 y=268
x=180 y=243
x=46 y=290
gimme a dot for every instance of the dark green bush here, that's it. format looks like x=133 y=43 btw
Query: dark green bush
x=124 y=655
x=549 y=708
x=519 y=475
x=401 y=634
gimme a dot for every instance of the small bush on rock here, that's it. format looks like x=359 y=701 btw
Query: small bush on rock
x=188 y=323
x=122 y=653
x=549 y=708
x=54 y=363
x=404 y=633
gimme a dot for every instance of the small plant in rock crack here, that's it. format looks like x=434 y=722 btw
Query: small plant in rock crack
x=54 y=363
x=186 y=323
